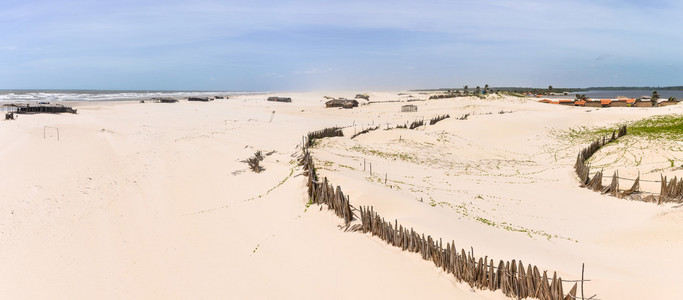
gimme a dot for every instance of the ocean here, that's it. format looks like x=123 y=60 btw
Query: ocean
x=100 y=95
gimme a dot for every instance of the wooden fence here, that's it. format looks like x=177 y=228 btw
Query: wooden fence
x=510 y=277
x=670 y=190
x=327 y=132
x=364 y=131
x=438 y=118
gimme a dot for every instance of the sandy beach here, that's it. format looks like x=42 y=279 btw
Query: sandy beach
x=154 y=200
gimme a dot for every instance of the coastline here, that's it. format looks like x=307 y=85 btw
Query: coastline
x=153 y=200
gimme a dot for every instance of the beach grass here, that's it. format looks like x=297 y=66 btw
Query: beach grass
x=655 y=127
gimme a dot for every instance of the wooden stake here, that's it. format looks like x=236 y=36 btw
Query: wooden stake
x=582 y=268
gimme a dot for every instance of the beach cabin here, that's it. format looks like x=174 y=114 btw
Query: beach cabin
x=567 y=102
x=280 y=99
x=409 y=108
x=641 y=103
x=593 y=104
x=580 y=103
x=623 y=102
x=605 y=102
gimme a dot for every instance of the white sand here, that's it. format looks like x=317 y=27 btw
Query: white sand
x=152 y=201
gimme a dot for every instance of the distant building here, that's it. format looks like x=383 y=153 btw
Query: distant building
x=345 y=103
x=35 y=109
x=203 y=99
x=280 y=99
x=163 y=100
x=409 y=108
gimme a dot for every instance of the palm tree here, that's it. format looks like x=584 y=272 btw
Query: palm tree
x=486 y=89
x=465 y=88
x=477 y=90
x=655 y=98
x=581 y=97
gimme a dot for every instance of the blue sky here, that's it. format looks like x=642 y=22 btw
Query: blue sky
x=340 y=45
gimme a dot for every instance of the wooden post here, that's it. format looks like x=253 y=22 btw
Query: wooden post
x=370 y=169
x=385 y=178
x=582 y=269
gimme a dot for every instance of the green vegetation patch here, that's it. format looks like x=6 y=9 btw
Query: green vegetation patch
x=387 y=155
x=665 y=126
x=655 y=127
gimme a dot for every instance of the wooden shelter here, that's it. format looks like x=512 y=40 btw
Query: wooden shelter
x=409 y=108
x=345 y=103
x=280 y=99
x=623 y=103
x=202 y=99
x=41 y=108
x=643 y=104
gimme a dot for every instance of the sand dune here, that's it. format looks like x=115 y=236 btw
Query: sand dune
x=153 y=201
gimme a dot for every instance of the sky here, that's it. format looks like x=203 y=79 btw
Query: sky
x=285 y=45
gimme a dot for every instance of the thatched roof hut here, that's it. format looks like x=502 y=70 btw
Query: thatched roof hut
x=345 y=103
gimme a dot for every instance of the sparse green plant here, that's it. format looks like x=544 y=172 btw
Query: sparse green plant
x=254 y=164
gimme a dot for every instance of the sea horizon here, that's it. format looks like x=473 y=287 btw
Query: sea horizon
x=66 y=95
x=13 y=95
